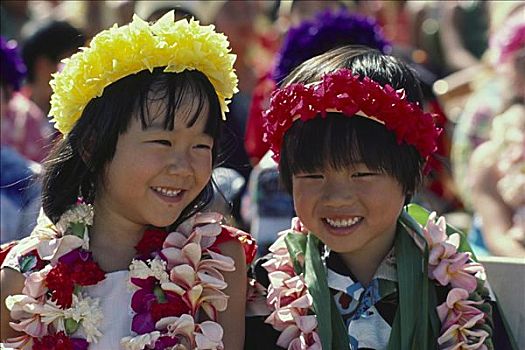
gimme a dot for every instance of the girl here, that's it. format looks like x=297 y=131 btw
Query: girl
x=140 y=110
x=356 y=271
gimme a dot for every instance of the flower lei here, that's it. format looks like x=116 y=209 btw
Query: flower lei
x=121 y=51
x=176 y=277
x=349 y=94
x=464 y=316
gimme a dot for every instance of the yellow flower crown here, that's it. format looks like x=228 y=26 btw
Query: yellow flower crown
x=121 y=51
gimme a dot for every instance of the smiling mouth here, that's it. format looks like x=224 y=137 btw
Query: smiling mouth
x=166 y=191
x=343 y=223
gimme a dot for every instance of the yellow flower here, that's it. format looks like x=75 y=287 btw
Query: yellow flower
x=121 y=51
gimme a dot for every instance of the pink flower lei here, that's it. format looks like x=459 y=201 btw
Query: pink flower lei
x=349 y=94
x=177 y=278
x=462 y=317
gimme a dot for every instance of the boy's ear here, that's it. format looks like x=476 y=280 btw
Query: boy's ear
x=408 y=197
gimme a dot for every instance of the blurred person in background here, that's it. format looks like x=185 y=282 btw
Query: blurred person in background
x=494 y=90
x=25 y=126
x=497 y=169
x=42 y=52
x=19 y=193
x=14 y=14
x=152 y=10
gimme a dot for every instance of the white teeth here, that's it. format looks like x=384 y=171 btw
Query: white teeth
x=343 y=223
x=167 y=192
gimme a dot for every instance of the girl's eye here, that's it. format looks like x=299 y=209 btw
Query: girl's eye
x=362 y=174
x=162 y=142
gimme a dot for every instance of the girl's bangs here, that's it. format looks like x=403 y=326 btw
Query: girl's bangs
x=184 y=95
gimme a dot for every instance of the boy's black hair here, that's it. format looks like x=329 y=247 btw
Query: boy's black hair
x=77 y=163
x=54 y=40
x=339 y=141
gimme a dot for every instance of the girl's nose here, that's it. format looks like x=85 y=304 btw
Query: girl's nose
x=179 y=165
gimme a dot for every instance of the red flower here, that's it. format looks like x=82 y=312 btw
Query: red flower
x=57 y=341
x=151 y=241
x=60 y=285
x=86 y=273
x=174 y=307
x=342 y=91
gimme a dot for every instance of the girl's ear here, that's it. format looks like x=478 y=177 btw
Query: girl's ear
x=85 y=150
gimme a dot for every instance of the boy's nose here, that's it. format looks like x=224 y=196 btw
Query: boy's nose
x=338 y=194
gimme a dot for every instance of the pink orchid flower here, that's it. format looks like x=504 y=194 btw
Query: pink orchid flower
x=280 y=261
x=457 y=309
x=285 y=289
x=199 y=219
x=440 y=245
x=198 y=282
x=52 y=250
x=26 y=309
x=34 y=285
x=23 y=342
x=208 y=336
x=310 y=341
x=458 y=271
x=299 y=334
x=462 y=337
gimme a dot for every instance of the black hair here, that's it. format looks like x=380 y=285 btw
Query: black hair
x=54 y=40
x=338 y=141
x=77 y=163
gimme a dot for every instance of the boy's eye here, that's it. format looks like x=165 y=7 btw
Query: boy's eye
x=309 y=176
x=162 y=142
x=202 y=146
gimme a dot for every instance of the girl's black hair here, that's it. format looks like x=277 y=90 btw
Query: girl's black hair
x=77 y=162
x=339 y=141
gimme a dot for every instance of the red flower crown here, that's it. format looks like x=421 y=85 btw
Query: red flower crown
x=346 y=93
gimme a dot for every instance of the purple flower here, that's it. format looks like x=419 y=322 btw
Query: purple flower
x=165 y=342
x=327 y=30
x=79 y=344
x=143 y=323
x=12 y=68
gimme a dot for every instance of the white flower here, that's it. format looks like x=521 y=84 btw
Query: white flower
x=80 y=213
x=141 y=341
x=87 y=312
x=156 y=268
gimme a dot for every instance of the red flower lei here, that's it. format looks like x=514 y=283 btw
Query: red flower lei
x=349 y=94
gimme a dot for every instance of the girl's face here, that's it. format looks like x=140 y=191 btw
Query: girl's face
x=156 y=173
x=352 y=211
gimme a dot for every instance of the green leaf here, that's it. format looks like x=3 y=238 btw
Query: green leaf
x=409 y=264
x=77 y=229
x=317 y=283
x=71 y=325
x=296 y=245
x=27 y=263
x=159 y=294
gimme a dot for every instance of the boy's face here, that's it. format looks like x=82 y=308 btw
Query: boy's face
x=354 y=212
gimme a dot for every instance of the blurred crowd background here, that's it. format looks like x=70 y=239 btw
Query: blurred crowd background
x=470 y=56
